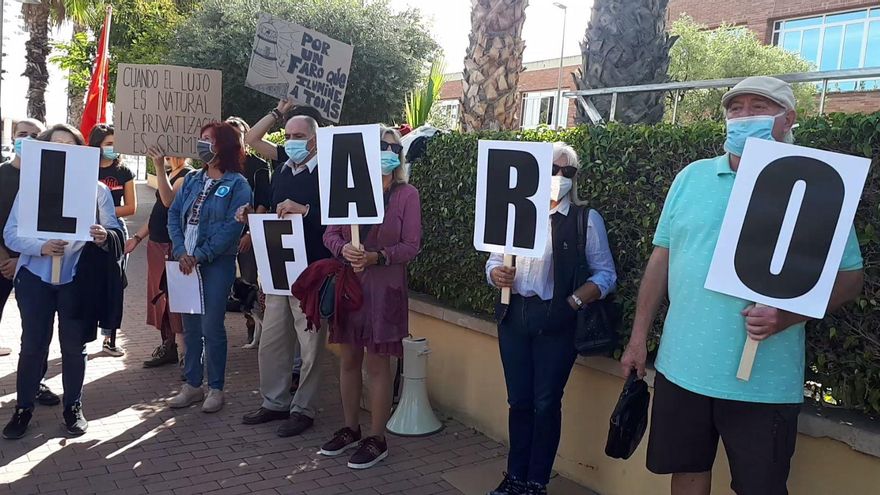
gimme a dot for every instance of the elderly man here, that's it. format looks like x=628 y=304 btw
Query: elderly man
x=697 y=395
x=294 y=191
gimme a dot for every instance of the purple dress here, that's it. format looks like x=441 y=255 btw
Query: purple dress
x=383 y=320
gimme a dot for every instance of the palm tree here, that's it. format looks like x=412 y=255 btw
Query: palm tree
x=626 y=44
x=492 y=65
x=37 y=17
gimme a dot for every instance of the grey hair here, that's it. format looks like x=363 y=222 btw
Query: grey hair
x=400 y=174
x=561 y=149
x=312 y=123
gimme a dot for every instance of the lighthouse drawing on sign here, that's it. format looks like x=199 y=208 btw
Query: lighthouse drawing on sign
x=265 y=59
x=265 y=72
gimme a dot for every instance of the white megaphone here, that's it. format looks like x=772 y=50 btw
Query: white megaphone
x=414 y=416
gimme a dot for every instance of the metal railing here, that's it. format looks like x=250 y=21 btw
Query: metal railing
x=583 y=95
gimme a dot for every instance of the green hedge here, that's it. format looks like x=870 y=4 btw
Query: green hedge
x=628 y=171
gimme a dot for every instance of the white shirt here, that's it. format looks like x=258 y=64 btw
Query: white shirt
x=534 y=276
x=297 y=169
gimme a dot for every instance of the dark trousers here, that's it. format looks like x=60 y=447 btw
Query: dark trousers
x=5 y=290
x=38 y=303
x=537 y=362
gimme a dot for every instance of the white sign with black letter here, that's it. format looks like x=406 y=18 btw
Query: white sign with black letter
x=350 y=175
x=513 y=197
x=58 y=190
x=280 y=249
x=786 y=226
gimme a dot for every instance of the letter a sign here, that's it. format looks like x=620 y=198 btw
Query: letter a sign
x=513 y=197
x=58 y=192
x=350 y=175
x=787 y=223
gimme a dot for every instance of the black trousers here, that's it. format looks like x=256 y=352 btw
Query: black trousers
x=537 y=362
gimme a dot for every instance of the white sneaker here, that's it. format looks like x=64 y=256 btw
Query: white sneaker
x=188 y=396
x=214 y=401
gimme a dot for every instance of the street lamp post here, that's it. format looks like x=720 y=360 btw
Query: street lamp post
x=558 y=102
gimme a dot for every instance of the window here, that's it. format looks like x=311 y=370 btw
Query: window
x=537 y=109
x=446 y=114
x=846 y=40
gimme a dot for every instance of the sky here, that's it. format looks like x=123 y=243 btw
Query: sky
x=450 y=26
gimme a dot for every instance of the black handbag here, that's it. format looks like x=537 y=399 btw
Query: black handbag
x=598 y=321
x=327 y=294
x=629 y=419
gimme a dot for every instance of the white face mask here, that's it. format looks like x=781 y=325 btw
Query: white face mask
x=559 y=187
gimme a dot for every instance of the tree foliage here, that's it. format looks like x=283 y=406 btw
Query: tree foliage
x=726 y=52
x=390 y=49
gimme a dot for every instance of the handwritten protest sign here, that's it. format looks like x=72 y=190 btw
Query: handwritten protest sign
x=164 y=106
x=308 y=67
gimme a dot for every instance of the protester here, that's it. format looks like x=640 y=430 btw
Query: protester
x=205 y=235
x=382 y=322
x=697 y=396
x=256 y=171
x=536 y=330
x=294 y=191
x=120 y=180
x=39 y=300
x=169 y=174
x=9 y=179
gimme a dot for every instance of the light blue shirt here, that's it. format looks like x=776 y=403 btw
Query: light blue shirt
x=704 y=332
x=30 y=248
x=534 y=276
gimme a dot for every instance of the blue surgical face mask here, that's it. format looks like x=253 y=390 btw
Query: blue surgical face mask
x=205 y=149
x=297 y=149
x=740 y=129
x=390 y=161
x=108 y=153
x=17 y=144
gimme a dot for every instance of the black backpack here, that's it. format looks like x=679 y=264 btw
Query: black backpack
x=629 y=419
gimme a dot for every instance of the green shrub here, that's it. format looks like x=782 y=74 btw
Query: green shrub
x=628 y=170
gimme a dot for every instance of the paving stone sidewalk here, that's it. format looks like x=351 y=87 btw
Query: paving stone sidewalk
x=136 y=445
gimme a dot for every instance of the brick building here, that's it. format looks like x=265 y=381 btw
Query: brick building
x=832 y=34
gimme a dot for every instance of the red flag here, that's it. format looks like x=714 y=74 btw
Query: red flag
x=95 y=111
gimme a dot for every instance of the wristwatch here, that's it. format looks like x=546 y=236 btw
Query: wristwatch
x=577 y=300
x=276 y=113
x=380 y=260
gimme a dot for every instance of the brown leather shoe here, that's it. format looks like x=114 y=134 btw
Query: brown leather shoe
x=297 y=424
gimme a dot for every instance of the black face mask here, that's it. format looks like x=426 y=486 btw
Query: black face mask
x=203 y=148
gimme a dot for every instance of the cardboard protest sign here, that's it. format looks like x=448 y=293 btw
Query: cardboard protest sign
x=786 y=225
x=280 y=249
x=58 y=190
x=164 y=106
x=186 y=293
x=291 y=61
x=350 y=175
x=513 y=197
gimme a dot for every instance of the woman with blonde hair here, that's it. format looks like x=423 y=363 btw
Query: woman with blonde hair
x=378 y=328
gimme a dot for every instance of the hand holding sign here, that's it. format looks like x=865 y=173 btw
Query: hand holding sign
x=513 y=200
x=784 y=232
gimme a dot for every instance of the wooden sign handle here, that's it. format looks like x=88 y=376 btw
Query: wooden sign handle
x=356 y=239
x=56 y=270
x=505 y=292
x=747 y=361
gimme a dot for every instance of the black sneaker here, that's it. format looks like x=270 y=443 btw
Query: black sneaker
x=297 y=424
x=164 y=354
x=111 y=350
x=370 y=451
x=533 y=488
x=342 y=440
x=75 y=421
x=509 y=486
x=263 y=415
x=46 y=397
x=18 y=424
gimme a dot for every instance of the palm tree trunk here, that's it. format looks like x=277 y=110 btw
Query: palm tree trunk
x=36 y=51
x=492 y=65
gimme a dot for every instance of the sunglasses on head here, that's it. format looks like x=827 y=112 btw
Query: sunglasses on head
x=396 y=148
x=567 y=170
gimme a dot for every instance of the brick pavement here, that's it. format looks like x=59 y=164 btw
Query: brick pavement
x=135 y=445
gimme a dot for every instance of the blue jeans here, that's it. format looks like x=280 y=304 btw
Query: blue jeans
x=206 y=333
x=536 y=368
x=38 y=302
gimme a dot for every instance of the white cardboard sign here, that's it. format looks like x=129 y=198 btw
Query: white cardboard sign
x=59 y=190
x=350 y=175
x=280 y=249
x=787 y=222
x=185 y=292
x=291 y=61
x=513 y=197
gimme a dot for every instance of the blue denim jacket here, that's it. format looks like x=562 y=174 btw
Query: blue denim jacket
x=219 y=233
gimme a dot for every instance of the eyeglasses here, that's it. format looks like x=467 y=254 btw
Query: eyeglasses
x=396 y=148
x=567 y=170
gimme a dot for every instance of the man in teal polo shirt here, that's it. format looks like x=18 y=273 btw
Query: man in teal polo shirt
x=697 y=396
